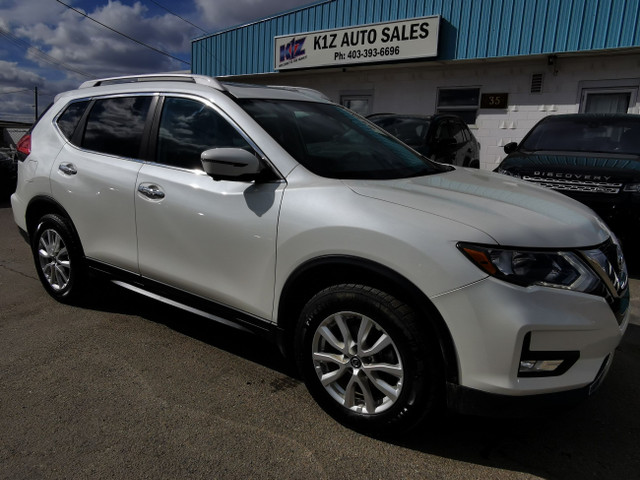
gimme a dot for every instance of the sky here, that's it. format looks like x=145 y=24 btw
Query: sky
x=55 y=45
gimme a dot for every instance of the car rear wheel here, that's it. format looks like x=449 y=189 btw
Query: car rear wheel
x=58 y=258
x=366 y=361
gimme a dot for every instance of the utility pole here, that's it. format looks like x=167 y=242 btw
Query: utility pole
x=35 y=93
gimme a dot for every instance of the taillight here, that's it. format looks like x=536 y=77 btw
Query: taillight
x=24 y=145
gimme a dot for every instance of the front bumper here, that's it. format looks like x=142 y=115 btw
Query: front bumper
x=490 y=321
x=469 y=401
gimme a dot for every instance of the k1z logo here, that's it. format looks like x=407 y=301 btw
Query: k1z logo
x=292 y=50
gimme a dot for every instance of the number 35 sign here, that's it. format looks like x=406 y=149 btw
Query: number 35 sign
x=494 y=100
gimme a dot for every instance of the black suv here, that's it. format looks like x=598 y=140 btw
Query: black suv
x=7 y=172
x=443 y=138
x=594 y=158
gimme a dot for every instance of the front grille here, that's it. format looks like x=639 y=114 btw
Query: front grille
x=608 y=262
x=576 y=185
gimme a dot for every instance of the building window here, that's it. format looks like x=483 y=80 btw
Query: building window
x=463 y=102
x=607 y=100
x=358 y=103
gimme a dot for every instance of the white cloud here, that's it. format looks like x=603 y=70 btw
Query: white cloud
x=89 y=47
x=11 y=74
x=24 y=12
x=218 y=14
x=17 y=106
x=68 y=41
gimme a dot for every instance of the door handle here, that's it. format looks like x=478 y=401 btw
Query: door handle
x=68 y=168
x=151 y=191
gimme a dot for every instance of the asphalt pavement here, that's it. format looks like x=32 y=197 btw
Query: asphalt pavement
x=122 y=387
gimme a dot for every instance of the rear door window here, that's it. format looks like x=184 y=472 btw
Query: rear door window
x=458 y=132
x=442 y=131
x=115 y=126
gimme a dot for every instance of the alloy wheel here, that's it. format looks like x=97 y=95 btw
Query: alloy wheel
x=357 y=362
x=54 y=259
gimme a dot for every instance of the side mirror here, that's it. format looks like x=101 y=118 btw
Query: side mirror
x=230 y=164
x=510 y=147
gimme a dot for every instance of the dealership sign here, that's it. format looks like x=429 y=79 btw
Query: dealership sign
x=380 y=42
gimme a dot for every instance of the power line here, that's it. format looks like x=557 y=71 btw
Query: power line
x=176 y=15
x=194 y=25
x=41 y=54
x=123 y=34
x=220 y=64
x=16 y=91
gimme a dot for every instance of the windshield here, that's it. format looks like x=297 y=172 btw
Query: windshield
x=410 y=130
x=332 y=142
x=586 y=134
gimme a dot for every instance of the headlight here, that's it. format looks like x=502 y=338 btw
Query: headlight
x=533 y=267
x=507 y=172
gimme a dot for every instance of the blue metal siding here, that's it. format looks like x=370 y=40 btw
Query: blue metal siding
x=470 y=29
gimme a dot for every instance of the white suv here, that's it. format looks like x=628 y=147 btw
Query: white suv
x=398 y=285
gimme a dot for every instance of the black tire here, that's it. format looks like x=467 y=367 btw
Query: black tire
x=58 y=258
x=408 y=369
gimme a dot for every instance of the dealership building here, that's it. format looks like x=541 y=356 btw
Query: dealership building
x=501 y=65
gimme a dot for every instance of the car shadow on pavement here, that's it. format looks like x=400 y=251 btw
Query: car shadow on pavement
x=107 y=297
x=595 y=439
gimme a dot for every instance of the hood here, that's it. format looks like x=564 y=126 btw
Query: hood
x=512 y=212
x=577 y=166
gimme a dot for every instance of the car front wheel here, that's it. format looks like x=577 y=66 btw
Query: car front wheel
x=366 y=360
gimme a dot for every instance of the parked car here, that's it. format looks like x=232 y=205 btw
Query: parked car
x=8 y=172
x=396 y=285
x=443 y=138
x=594 y=158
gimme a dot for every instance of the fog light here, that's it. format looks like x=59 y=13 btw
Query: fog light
x=544 y=363
x=529 y=366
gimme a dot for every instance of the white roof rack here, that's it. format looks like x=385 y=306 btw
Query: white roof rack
x=156 y=77
x=247 y=90
x=310 y=92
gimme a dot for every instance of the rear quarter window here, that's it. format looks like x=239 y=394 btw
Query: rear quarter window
x=68 y=121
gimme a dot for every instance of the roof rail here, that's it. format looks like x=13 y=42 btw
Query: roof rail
x=156 y=77
x=309 y=92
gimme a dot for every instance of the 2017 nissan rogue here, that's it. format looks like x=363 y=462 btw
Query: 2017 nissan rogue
x=397 y=285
